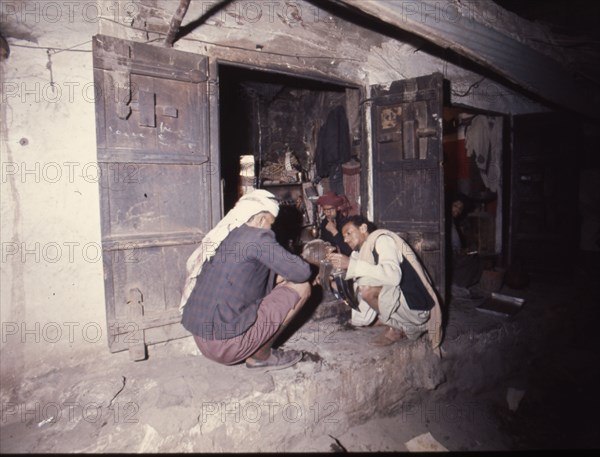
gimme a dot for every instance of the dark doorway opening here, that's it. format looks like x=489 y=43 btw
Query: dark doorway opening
x=264 y=116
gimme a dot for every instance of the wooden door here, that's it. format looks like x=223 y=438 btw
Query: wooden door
x=407 y=167
x=543 y=236
x=155 y=187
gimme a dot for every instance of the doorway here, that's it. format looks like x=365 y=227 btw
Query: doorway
x=474 y=145
x=476 y=190
x=271 y=121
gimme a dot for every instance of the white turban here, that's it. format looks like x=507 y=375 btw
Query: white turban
x=250 y=204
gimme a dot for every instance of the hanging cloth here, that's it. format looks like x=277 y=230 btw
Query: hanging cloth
x=483 y=139
x=333 y=142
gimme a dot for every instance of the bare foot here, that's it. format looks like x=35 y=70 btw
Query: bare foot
x=389 y=336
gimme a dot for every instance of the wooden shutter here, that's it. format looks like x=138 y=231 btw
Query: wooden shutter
x=407 y=167
x=155 y=187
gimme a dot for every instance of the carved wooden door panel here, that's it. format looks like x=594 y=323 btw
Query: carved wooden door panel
x=155 y=188
x=408 y=188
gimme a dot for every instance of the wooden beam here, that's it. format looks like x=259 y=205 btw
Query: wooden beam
x=442 y=24
x=176 y=22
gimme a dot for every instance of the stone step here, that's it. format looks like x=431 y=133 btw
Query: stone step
x=179 y=401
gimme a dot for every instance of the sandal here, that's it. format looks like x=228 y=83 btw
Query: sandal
x=277 y=360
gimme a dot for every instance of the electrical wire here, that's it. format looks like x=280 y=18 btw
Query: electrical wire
x=54 y=50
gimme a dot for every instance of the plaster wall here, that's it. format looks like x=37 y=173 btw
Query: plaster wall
x=52 y=309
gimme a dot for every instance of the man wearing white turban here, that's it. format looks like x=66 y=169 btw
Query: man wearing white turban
x=229 y=302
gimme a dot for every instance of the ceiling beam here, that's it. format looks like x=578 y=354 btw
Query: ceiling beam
x=176 y=22
x=441 y=23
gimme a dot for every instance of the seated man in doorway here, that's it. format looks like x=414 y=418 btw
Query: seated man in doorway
x=230 y=301
x=390 y=283
x=330 y=230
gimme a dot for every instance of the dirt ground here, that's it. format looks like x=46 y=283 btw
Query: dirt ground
x=557 y=383
x=528 y=382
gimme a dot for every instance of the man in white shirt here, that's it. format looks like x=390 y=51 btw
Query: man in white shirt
x=390 y=282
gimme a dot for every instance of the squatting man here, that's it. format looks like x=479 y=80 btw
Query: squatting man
x=392 y=287
x=243 y=288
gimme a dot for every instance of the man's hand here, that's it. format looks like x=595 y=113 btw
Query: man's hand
x=331 y=228
x=339 y=261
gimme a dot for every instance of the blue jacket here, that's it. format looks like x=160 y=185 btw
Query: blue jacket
x=231 y=285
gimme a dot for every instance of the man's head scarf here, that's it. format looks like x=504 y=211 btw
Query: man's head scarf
x=249 y=205
x=331 y=199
